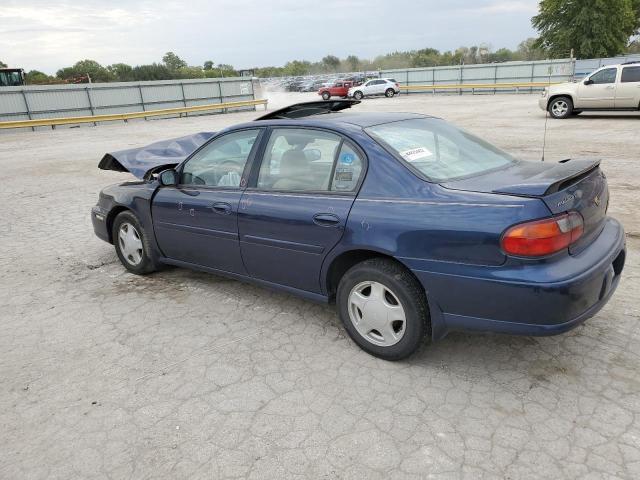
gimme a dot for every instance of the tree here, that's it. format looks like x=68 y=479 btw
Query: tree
x=528 y=50
x=121 y=72
x=35 y=77
x=353 y=62
x=155 y=71
x=427 y=57
x=208 y=65
x=173 y=61
x=592 y=28
x=95 y=71
x=331 y=62
x=2 y=64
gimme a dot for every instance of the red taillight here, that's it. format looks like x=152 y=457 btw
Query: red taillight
x=543 y=237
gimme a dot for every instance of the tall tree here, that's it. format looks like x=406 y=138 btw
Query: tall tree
x=173 y=61
x=353 y=62
x=331 y=62
x=2 y=64
x=592 y=28
x=208 y=65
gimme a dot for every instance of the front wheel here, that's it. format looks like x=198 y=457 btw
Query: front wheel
x=326 y=95
x=358 y=95
x=561 y=107
x=389 y=93
x=383 y=308
x=131 y=244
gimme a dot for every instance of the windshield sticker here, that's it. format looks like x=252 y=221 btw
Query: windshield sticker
x=416 y=154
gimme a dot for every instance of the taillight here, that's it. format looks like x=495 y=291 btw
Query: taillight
x=543 y=237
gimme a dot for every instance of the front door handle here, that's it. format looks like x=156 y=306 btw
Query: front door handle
x=326 y=219
x=221 y=208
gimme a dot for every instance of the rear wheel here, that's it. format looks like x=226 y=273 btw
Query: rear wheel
x=389 y=93
x=326 y=95
x=358 y=95
x=131 y=244
x=561 y=107
x=383 y=308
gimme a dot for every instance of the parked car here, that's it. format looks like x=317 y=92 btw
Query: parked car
x=337 y=89
x=381 y=86
x=410 y=225
x=614 y=87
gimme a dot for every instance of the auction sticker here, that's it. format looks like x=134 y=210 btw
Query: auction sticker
x=416 y=153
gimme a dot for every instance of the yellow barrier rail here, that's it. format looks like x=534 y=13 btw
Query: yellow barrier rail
x=44 y=122
x=476 y=86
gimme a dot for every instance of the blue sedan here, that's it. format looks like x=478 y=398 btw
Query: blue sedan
x=413 y=227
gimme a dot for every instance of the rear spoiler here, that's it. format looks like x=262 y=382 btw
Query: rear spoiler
x=308 y=109
x=143 y=162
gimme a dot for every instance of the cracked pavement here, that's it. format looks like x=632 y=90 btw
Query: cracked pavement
x=180 y=374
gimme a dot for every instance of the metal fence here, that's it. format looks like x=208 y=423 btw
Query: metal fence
x=584 y=67
x=548 y=71
x=55 y=101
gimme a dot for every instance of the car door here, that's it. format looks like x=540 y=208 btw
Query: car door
x=369 y=87
x=598 y=90
x=628 y=91
x=196 y=221
x=296 y=209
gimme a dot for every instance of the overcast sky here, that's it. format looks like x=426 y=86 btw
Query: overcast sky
x=47 y=35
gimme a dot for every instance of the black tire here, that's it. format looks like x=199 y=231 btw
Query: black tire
x=560 y=107
x=358 y=95
x=389 y=93
x=409 y=293
x=326 y=95
x=147 y=263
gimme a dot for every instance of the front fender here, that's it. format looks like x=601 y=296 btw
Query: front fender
x=133 y=196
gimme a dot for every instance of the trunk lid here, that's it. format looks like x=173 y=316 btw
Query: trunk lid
x=570 y=185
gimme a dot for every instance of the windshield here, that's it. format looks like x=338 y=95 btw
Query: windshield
x=439 y=151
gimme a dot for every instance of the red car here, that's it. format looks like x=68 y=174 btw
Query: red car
x=338 y=89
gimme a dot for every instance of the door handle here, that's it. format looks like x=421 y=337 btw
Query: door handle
x=326 y=219
x=221 y=208
x=610 y=87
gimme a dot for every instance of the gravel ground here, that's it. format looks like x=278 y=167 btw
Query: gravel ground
x=104 y=374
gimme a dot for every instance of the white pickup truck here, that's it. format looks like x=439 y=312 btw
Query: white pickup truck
x=610 y=88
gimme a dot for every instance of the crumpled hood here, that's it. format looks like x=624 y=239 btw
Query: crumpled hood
x=144 y=161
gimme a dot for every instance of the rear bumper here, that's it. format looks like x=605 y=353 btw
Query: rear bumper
x=545 y=298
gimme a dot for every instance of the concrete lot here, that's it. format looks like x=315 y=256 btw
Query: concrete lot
x=104 y=374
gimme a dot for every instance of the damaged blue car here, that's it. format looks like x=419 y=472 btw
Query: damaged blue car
x=413 y=227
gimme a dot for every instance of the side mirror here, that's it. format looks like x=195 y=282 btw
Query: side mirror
x=588 y=81
x=168 y=177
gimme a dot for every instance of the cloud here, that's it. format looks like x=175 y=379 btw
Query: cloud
x=47 y=35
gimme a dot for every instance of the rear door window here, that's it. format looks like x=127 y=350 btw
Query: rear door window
x=630 y=74
x=309 y=160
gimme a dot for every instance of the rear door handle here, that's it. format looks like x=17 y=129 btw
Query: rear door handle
x=326 y=219
x=221 y=208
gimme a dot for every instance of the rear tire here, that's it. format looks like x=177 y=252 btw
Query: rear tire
x=326 y=95
x=132 y=246
x=358 y=95
x=383 y=308
x=389 y=93
x=560 y=107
